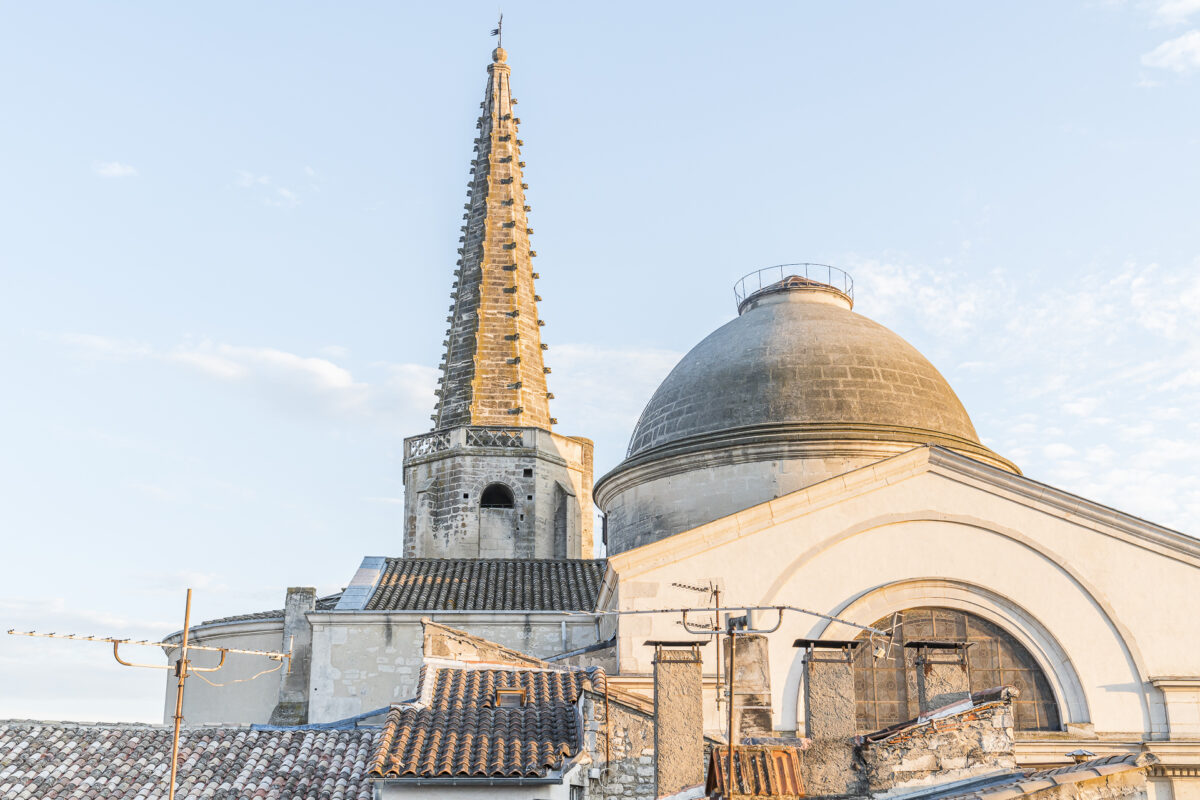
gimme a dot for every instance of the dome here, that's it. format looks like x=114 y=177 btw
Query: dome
x=797 y=389
x=801 y=356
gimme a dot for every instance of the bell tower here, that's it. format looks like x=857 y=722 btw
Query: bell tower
x=492 y=480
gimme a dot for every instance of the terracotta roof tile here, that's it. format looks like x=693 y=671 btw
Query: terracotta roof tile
x=488 y=584
x=759 y=771
x=458 y=729
x=131 y=762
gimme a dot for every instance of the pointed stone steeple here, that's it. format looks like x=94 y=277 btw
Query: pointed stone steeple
x=492 y=480
x=493 y=373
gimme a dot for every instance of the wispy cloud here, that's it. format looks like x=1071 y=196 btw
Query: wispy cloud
x=1180 y=55
x=398 y=392
x=1092 y=374
x=283 y=197
x=113 y=169
x=268 y=191
x=247 y=180
x=1175 y=12
x=604 y=389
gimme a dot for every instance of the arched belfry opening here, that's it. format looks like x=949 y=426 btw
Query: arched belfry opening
x=884 y=692
x=497 y=495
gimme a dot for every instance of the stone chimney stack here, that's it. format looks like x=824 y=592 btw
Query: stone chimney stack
x=937 y=673
x=678 y=717
x=292 y=708
x=829 y=688
x=830 y=719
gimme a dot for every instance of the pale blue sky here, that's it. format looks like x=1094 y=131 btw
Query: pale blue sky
x=227 y=232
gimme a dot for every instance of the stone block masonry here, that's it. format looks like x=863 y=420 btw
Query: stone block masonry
x=492 y=427
x=548 y=476
x=493 y=372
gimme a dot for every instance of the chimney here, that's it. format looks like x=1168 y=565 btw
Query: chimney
x=829 y=688
x=292 y=708
x=752 y=685
x=937 y=671
x=678 y=717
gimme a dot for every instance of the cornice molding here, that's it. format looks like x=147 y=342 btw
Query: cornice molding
x=780 y=441
x=941 y=461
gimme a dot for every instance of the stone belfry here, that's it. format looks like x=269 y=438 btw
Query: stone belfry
x=492 y=480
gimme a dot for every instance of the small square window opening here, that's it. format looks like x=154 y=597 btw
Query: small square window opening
x=510 y=698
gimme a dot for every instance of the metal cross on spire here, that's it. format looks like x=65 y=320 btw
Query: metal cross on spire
x=498 y=31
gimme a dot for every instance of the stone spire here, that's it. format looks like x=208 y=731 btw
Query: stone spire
x=493 y=373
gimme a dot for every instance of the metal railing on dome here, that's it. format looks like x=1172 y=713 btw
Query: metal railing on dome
x=769 y=277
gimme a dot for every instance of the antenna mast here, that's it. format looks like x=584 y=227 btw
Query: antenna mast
x=183 y=667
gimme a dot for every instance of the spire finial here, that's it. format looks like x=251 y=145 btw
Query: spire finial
x=498 y=32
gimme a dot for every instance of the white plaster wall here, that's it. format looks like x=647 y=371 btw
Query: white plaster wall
x=233 y=703
x=363 y=661
x=897 y=535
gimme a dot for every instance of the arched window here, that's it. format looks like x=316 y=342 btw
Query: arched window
x=496 y=495
x=882 y=689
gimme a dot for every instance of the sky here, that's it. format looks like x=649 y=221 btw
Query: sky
x=227 y=233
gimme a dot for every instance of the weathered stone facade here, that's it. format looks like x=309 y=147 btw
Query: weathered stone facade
x=297 y=638
x=620 y=737
x=493 y=373
x=548 y=476
x=492 y=426
x=678 y=720
x=970 y=743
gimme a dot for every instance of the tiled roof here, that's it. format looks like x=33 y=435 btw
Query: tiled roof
x=43 y=761
x=456 y=729
x=758 y=770
x=488 y=584
x=323 y=604
x=1028 y=781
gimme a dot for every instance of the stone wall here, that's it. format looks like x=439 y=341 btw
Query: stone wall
x=369 y=660
x=550 y=477
x=941 y=750
x=622 y=748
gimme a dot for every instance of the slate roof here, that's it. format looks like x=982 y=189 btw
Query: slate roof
x=323 y=604
x=457 y=730
x=488 y=584
x=46 y=760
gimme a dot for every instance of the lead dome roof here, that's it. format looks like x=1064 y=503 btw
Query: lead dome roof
x=797 y=354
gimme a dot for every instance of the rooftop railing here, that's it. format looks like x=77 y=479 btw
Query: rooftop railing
x=793 y=276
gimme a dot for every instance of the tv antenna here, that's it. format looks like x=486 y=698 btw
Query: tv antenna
x=183 y=667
